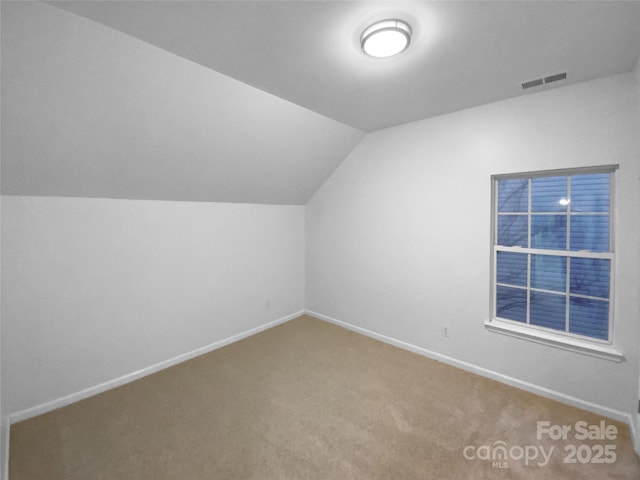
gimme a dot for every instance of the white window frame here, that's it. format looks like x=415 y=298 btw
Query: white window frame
x=539 y=334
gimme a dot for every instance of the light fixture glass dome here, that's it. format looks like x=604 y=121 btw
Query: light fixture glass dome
x=386 y=38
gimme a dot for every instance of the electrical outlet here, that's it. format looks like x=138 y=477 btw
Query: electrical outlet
x=445 y=330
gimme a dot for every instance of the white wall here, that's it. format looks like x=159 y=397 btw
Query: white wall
x=398 y=238
x=95 y=289
x=4 y=421
x=637 y=75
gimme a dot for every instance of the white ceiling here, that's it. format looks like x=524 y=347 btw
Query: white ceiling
x=90 y=112
x=260 y=101
x=462 y=54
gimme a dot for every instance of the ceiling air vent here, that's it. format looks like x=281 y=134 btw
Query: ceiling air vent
x=544 y=81
x=555 y=78
x=532 y=83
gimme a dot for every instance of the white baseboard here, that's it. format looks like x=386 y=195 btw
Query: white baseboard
x=116 y=382
x=88 y=392
x=514 y=382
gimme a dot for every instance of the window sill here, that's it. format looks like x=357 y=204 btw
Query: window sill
x=538 y=336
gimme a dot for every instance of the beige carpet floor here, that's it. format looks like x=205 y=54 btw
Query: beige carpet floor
x=309 y=400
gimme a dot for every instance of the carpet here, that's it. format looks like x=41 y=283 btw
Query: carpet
x=310 y=400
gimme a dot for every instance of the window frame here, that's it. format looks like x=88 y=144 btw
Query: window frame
x=540 y=334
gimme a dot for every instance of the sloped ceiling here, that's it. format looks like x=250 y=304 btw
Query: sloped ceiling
x=259 y=101
x=90 y=112
x=463 y=53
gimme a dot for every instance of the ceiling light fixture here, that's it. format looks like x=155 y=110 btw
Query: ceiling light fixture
x=386 y=38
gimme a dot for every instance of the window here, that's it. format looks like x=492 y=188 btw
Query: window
x=553 y=254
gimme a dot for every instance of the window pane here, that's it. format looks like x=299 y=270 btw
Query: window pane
x=549 y=272
x=549 y=194
x=589 y=317
x=549 y=231
x=590 y=232
x=512 y=230
x=512 y=268
x=511 y=303
x=513 y=195
x=590 y=193
x=547 y=310
x=590 y=276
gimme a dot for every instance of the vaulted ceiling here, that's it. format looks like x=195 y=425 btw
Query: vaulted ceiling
x=260 y=101
x=90 y=112
x=463 y=53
